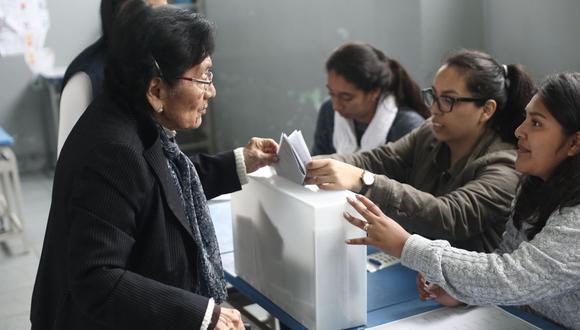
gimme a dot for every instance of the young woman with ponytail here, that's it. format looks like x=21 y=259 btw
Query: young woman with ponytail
x=372 y=101
x=454 y=177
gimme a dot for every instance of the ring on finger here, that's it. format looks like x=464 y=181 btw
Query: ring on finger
x=366 y=227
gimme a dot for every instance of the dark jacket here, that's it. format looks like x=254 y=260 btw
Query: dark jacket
x=405 y=121
x=118 y=251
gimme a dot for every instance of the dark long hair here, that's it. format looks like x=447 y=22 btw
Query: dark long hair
x=369 y=68
x=109 y=9
x=538 y=199
x=511 y=87
x=148 y=42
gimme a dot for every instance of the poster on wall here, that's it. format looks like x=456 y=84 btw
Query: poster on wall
x=23 y=28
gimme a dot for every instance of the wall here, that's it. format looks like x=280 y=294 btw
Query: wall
x=270 y=55
x=24 y=109
x=543 y=35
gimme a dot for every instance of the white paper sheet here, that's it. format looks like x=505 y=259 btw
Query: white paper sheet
x=293 y=155
x=464 y=318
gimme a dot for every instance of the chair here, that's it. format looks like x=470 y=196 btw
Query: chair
x=12 y=221
x=76 y=97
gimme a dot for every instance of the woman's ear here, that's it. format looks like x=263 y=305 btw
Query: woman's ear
x=575 y=147
x=489 y=108
x=375 y=94
x=155 y=93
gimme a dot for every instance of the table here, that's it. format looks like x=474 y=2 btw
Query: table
x=391 y=296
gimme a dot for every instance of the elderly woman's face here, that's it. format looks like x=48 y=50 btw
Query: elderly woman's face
x=185 y=105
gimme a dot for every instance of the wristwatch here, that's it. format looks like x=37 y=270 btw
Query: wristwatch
x=368 y=179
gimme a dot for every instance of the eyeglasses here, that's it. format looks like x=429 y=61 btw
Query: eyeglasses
x=207 y=79
x=445 y=102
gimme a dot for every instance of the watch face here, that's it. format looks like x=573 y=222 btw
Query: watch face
x=368 y=178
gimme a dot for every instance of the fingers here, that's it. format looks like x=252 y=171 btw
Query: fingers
x=422 y=288
x=266 y=158
x=358 y=241
x=316 y=164
x=269 y=145
x=362 y=210
x=230 y=319
x=354 y=221
x=372 y=207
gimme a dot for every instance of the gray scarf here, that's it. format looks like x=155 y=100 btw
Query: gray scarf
x=210 y=275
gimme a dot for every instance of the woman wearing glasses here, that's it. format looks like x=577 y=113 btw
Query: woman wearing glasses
x=537 y=264
x=130 y=242
x=373 y=100
x=454 y=177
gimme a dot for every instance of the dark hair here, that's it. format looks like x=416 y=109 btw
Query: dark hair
x=538 y=199
x=368 y=68
x=148 y=42
x=109 y=9
x=510 y=86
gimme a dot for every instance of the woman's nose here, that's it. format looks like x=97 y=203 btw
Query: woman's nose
x=211 y=92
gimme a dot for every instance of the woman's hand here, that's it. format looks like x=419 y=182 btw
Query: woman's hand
x=382 y=231
x=230 y=319
x=333 y=175
x=428 y=291
x=260 y=152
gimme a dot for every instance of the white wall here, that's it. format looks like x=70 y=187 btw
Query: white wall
x=543 y=35
x=24 y=110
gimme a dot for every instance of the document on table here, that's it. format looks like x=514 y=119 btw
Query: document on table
x=465 y=318
x=293 y=155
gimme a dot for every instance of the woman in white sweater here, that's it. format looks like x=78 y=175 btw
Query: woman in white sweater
x=538 y=261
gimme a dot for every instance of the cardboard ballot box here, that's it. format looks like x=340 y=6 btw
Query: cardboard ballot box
x=289 y=244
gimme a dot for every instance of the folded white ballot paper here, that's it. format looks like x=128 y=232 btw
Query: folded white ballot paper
x=293 y=155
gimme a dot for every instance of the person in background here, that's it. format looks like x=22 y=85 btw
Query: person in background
x=130 y=242
x=373 y=100
x=87 y=71
x=454 y=177
x=538 y=261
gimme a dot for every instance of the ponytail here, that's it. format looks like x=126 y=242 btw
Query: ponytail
x=520 y=89
x=511 y=87
x=406 y=90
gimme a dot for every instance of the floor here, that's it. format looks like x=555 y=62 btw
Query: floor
x=18 y=267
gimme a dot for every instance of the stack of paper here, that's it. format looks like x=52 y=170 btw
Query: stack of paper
x=293 y=155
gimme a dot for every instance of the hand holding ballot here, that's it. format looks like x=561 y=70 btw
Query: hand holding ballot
x=293 y=157
x=332 y=174
x=259 y=152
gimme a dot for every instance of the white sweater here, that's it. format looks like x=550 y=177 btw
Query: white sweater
x=543 y=273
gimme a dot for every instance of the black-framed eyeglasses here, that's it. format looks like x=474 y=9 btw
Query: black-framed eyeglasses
x=445 y=102
x=207 y=79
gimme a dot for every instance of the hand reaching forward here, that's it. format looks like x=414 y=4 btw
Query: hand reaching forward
x=428 y=291
x=260 y=152
x=332 y=174
x=382 y=231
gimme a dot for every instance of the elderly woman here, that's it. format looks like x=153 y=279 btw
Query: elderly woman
x=130 y=243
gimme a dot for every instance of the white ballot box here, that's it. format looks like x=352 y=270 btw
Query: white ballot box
x=289 y=244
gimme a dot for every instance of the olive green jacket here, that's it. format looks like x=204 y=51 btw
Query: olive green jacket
x=467 y=204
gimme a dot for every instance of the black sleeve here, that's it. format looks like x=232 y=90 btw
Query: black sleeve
x=217 y=173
